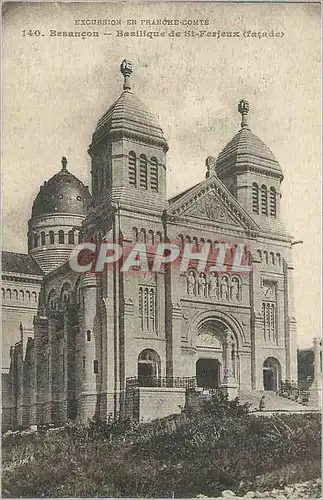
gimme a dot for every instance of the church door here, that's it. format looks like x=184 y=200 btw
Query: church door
x=269 y=383
x=208 y=373
x=271 y=374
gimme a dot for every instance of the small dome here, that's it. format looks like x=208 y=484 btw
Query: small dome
x=62 y=194
x=128 y=116
x=246 y=150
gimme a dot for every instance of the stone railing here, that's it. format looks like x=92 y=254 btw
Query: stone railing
x=290 y=390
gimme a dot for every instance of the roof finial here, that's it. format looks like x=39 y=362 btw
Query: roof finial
x=64 y=163
x=210 y=163
x=126 y=70
x=243 y=108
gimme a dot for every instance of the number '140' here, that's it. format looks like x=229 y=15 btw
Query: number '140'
x=31 y=33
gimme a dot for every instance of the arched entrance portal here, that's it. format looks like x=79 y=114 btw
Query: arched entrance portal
x=208 y=373
x=217 y=350
x=148 y=368
x=271 y=374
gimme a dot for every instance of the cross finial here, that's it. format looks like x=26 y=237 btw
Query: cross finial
x=64 y=163
x=243 y=108
x=126 y=70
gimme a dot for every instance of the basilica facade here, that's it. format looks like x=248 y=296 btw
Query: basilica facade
x=112 y=343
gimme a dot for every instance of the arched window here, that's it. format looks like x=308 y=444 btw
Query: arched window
x=143 y=172
x=272 y=257
x=42 y=238
x=96 y=366
x=272 y=202
x=266 y=256
x=3 y=293
x=8 y=294
x=255 y=198
x=158 y=237
x=147 y=308
x=21 y=295
x=150 y=238
x=88 y=335
x=134 y=234
x=71 y=237
x=51 y=237
x=34 y=297
x=264 y=200
x=35 y=241
x=142 y=235
x=132 y=169
x=154 y=174
x=278 y=259
x=28 y=296
x=61 y=237
x=65 y=293
x=15 y=295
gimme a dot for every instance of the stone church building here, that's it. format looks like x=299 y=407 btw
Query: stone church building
x=116 y=343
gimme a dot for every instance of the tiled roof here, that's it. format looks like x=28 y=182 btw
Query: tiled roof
x=179 y=195
x=129 y=115
x=20 y=263
x=246 y=149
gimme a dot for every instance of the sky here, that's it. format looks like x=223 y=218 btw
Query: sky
x=55 y=89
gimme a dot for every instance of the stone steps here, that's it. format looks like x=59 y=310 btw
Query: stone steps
x=273 y=402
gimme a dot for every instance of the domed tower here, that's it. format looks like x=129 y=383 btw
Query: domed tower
x=57 y=215
x=128 y=153
x=251 y=172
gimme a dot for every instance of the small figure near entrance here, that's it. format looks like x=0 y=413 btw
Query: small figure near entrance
x=262 y=403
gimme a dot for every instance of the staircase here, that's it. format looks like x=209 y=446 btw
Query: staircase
x=273 y=402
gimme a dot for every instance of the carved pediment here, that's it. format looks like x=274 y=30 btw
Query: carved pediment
x=211 y=208
x=211 y=201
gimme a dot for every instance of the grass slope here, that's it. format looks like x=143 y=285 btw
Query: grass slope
x=220 y=446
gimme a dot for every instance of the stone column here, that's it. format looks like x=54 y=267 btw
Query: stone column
x=41 y=327
x=290 y=325
x=88 y=395
x=229 y=384
x=316 y=387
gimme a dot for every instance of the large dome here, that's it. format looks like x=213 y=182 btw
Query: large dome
x=247 y=151
x=62 y=194
x=128 y=116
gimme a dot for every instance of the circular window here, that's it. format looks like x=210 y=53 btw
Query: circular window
x=78 y=198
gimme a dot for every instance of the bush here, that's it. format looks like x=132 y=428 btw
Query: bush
x=220 y=447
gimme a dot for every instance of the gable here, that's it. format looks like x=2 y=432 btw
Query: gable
x=210 y=201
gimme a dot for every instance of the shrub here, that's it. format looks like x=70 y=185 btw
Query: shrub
x=197 y=452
